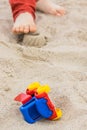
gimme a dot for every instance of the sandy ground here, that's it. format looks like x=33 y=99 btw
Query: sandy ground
x=62 y=64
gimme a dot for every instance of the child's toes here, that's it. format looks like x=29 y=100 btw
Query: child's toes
x=21 y=29
x=26 y=29
x=58 y=14
x=32 y=28
x=61 y=11
x=15 y=29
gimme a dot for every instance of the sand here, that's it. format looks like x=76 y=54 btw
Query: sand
x=62 y=64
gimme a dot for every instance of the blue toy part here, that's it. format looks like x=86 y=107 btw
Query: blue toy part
x=43 y=108
x=30 y=112
x=35 y=110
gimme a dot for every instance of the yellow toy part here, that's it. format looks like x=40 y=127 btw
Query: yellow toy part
x=59 y=114
x=34 y=85
x=42 y=89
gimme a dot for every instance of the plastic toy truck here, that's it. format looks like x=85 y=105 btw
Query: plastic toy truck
x=37 y=104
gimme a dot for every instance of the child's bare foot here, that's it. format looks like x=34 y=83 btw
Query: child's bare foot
x=49 y=7
x=24 y=23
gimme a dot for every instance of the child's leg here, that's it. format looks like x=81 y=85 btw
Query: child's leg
x=24 y=15
x=49 y=7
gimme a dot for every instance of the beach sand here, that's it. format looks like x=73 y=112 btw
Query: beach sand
x=62 y=64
